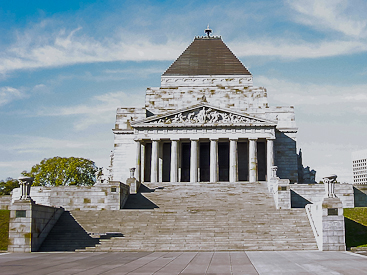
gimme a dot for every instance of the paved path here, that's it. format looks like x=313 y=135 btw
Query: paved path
x=170 y=263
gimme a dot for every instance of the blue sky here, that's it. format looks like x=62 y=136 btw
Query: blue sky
x=65 y=66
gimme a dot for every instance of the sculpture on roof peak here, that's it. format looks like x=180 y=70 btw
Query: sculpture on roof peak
x=208 y=31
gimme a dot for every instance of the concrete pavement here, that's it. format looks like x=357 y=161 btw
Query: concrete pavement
x=170 y=263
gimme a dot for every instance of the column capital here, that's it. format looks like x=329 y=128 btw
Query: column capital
x=156 y=139
x=233 y=138
x=174 y=139
x=194 y=139
x=213 y=139
x=252 y=138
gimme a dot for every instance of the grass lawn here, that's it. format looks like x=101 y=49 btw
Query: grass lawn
x=356 y=226
x=4 y=229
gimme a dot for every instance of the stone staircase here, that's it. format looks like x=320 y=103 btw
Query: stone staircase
x=199 y=217
x=67 y=235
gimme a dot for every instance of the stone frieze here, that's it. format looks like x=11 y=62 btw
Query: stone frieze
x=205 y=115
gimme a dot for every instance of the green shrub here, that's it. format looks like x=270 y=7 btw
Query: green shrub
x=4 y=229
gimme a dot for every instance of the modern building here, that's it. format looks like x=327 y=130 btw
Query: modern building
x=205 y=123
x=359 y=162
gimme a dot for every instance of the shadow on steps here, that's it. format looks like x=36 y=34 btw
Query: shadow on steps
x=68 y=235
x=139 y=201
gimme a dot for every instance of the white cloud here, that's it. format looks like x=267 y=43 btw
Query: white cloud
x=329 y=158
x=39 y=49
x=331 y=15
x=8 y=94
x=101 y=109
x=63 y=48
x=297 y=94
x=35 y=144
x=286 y=48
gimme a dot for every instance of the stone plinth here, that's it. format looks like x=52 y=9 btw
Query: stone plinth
x=30 y=224
x=327 y=221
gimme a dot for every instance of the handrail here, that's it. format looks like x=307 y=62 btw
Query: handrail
x=309 y=214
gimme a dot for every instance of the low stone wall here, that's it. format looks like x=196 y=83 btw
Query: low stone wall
x=30 y=224
x=313 y=193
x=110 y=196
x=5 y=202
x=360 y=195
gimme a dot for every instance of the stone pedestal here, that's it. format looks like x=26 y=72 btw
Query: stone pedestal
x=30 y=224
x=327 y=222
x=333 y=231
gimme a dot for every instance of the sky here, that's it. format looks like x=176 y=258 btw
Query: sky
x=65 y=66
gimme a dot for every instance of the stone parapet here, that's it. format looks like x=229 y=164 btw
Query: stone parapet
x=110 y=196
x=315 y=193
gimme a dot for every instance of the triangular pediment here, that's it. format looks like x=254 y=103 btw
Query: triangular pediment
x=202 y=115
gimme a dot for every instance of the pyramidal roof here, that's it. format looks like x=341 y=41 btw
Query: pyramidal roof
x=207 y=56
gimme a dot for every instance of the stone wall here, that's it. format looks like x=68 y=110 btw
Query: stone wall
x=110 y=196
x=30 y=224
x=5 y=202
x=285 y=156
x=360 y=195
x=124 y=156
x=124 y=116
x=161 y=100
x=315 y=193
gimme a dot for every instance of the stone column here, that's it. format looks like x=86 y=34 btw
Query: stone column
x=142 y=167
x=138 y=161
x=269 y=157
x=194 y=160
x=213 y=160
x=174 y=160
x=154 y=163
x=233 y=160
x=252 y=159
x=160 y=161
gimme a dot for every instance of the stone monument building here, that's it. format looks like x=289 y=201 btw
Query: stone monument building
x=206 y=123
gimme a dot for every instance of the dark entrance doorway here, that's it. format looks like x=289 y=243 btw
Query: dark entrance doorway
x=223 y=161
x=242 y=151
x=147 y=161
x=185 y=162
x=204 y=161
x=166 y=158
x=261 y=161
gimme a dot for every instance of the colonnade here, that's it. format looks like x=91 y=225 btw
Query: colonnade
x=156 y=160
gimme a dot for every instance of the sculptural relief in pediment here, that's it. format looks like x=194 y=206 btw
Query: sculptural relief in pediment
x=205 y=115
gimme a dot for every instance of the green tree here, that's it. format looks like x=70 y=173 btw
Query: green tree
x=59 y=171
x=8 y=185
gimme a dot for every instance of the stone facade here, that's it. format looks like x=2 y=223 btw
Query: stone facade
x=206 y=123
